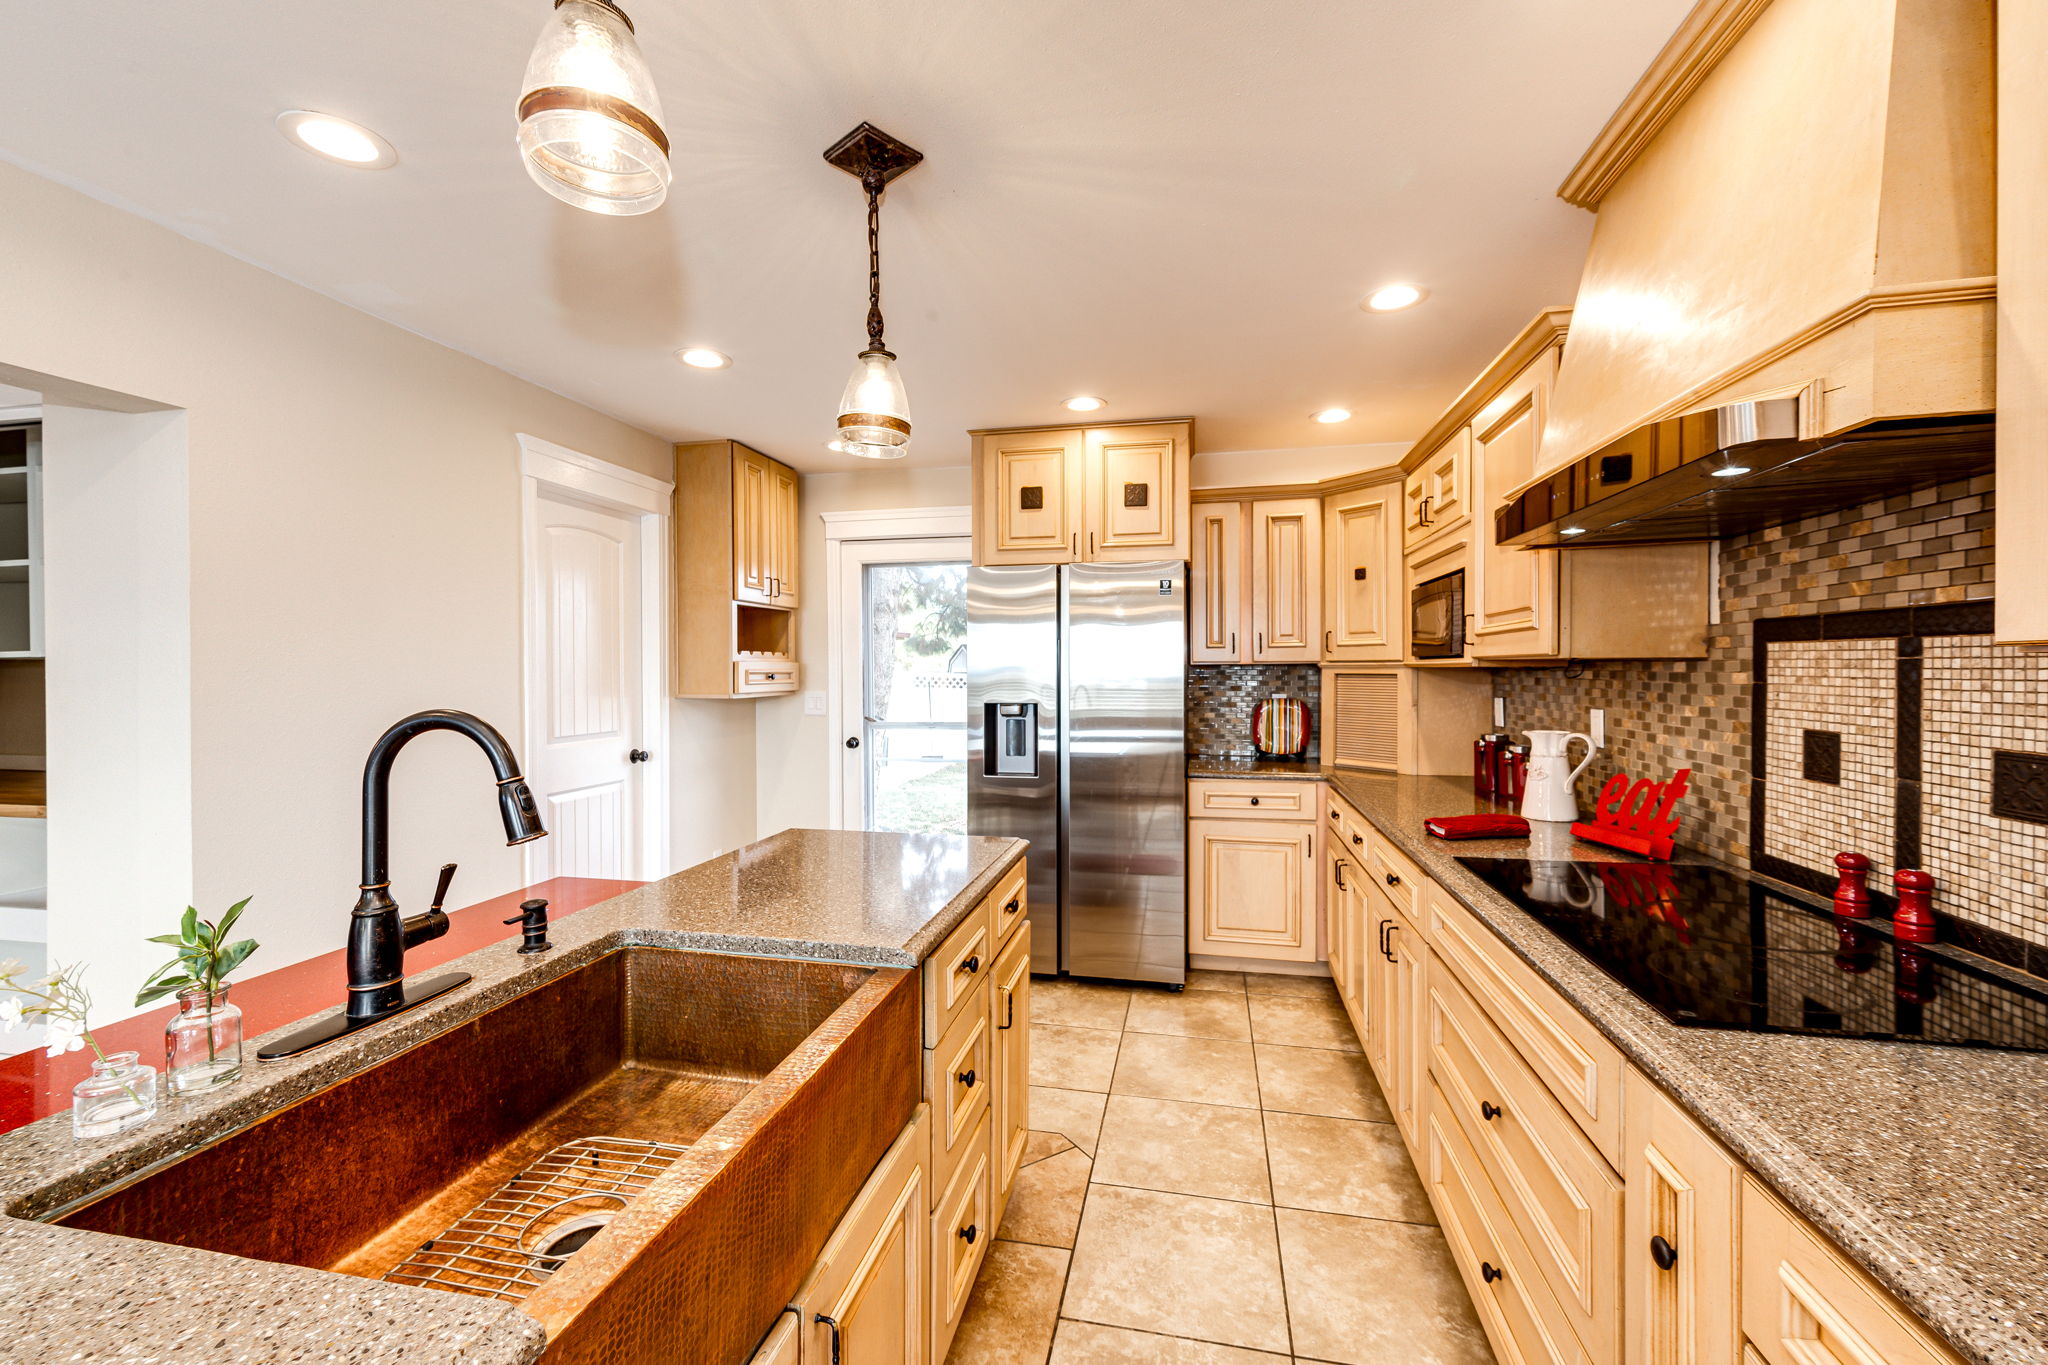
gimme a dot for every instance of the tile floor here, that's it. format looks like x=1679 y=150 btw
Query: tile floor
x=1212 y=1179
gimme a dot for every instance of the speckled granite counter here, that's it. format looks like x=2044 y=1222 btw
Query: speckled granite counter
x=1203 y=765
x=68 y=1295
x=1927 y=1165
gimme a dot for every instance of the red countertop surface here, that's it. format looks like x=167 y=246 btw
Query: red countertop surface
x=34 y=1085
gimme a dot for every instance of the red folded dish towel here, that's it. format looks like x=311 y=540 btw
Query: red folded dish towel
x=1478 y=827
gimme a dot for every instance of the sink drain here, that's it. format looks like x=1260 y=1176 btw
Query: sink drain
x=529 y=1228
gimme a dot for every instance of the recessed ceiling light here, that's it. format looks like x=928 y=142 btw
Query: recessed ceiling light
x=1394 y=297
x=1329 y=415
x=1729 y=471
x=1084 y=404
x=337 y=139
x=704 y=358
x=1573 y=531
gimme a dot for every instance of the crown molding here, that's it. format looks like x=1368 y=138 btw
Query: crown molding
x=1544 y=331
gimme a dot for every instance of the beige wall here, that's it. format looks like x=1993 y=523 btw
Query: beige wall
x=353 y=533
x=794 y=751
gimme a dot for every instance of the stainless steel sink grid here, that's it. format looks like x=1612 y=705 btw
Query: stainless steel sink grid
x=527 y=1229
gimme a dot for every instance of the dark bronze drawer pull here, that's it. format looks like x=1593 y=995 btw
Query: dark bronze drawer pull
x=973 y=964
x=1489 y=1272
x=1490 y=1111
x=965 y=1078
x=969 y=1233
x=1663 y=1253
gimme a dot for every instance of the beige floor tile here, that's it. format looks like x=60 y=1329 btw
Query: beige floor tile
x=1205 y=1268
x=1292 y=1021
x=1199 y=1070
x=1014 y=1308
x=1191 y=1014
x=1200 y=980
x=1088 y=1343
x=1075 y=1115
x=1314 y=1080
x=1365 y=1292
x=1307 y=987
x=1078 y=1004
x=1045 y=1203
x=1344 y=1166
x=1073 y=1058
x=1038 y=1146
x=1204 y=1149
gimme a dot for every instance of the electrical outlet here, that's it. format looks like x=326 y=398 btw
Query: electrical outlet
x=814 y=703
x=1500 y=713
x=1599 y=729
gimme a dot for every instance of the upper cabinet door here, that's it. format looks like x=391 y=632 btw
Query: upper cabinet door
x=1136 y=505
x=1437 y=497
x=1362 y=569
x=787 y=529
x=1287 y=580
x=1027 y=491
x=1514 y=611
x=1217 y=631
x=753 y=527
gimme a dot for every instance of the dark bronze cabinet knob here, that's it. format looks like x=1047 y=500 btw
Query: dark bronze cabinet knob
x=965 y=1078
x=1255 y=800
x=972 y=964
x=1013 y=907
x=969 y=1233
x=1393 y=879
x=1663 y=1253
x=1489 y=1272
x=1490 y=1111
x=1358 y=838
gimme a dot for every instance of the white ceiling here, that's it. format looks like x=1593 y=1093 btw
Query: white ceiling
x=1175 y=204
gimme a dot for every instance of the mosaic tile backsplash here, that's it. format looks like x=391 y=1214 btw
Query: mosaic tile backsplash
x=1221 y=698
x=1834 y=706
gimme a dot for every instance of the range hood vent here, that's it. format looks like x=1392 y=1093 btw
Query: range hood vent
x=1739 y=468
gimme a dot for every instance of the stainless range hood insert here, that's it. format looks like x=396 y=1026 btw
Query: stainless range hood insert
x=1734 y=469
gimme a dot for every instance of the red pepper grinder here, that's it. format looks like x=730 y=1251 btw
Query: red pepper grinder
x=1914 y=920
x=1852 y=892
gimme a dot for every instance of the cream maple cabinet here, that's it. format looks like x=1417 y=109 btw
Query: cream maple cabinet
x=1010 y=1057
x=1680 y=1236
x=1254 y=879
x=1362 y=616
x=866 y=1298
x=1096 y=494
x=1257 y=582
x=736 y=528
x=1344 y=903
x=1437 y=493
x=1395 y=959
x=1514 y=607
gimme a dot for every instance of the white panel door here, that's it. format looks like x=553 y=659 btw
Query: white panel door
x=583 y=689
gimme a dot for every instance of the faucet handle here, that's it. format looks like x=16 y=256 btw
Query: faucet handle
x=441 y=890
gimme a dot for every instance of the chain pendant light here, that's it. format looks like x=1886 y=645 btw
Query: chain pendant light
x=589 y=120
x=874 y=413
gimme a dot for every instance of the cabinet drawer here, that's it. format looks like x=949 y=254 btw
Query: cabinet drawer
x=1804 y=1304
x=959 y=1078
x=962 y=1226
x=1242 y=799
x=1575 y=1063
x=1008 y=906
x=764 y=679
x=954 y=975
x=1522 y=1320
x=1563 y=1197
x=1389 y=869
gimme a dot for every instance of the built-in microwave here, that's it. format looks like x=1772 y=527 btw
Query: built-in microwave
x=1436 y=618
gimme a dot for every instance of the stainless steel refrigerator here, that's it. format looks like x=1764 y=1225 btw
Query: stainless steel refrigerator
x=1076 y=740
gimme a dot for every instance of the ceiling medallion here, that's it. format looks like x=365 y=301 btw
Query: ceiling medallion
x=874 y=412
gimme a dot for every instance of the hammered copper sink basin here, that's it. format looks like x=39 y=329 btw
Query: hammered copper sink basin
x=645 y=1153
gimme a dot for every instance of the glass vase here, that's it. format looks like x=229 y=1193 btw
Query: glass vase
x=119 y=1095
x=202 y=1042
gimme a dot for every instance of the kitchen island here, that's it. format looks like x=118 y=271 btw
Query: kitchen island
x=880 y=902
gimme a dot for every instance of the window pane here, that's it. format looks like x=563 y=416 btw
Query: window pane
x=916 y=697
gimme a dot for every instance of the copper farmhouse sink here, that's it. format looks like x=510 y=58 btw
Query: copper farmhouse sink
x=645 y=1154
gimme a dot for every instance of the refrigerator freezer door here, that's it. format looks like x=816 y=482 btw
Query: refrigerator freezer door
x=1013 y=778
x=1124 y=870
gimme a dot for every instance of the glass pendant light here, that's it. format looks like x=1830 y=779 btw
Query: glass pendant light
x=589 y=120
x=874 y=412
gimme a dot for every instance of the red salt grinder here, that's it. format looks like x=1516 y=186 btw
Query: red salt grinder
x=1913 y=922
x=1852 y=892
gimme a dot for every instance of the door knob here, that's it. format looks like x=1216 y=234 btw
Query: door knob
x=853 y=742
x=637 y=756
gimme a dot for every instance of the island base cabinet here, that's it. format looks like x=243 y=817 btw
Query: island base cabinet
x=962 y=1226
x=1678 y=1237
x=867 y=1301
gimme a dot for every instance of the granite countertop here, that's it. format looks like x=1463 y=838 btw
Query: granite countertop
x=1228 y=765
x=70 y=1295
x=1923 y=1163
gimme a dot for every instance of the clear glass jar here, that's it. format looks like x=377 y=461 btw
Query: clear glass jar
x=202 y=1042
x=119 y=1095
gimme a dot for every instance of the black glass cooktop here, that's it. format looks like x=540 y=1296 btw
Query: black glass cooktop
x=1713 y=949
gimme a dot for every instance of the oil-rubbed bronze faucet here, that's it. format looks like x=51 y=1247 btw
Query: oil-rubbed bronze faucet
x=377 y=935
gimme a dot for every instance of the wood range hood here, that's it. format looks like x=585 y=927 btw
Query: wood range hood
x=1791 y=276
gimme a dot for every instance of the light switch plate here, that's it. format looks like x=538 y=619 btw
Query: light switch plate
x=814 y=703
x=1599 y=729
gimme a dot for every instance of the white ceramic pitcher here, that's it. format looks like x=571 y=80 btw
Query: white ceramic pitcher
x=1549 y=793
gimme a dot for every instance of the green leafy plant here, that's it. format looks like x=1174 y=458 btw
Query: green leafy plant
x=205 y=957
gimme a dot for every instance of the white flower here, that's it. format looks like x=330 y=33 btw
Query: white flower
x=10 y=967
x=10 y=1013
x=66 y=1035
